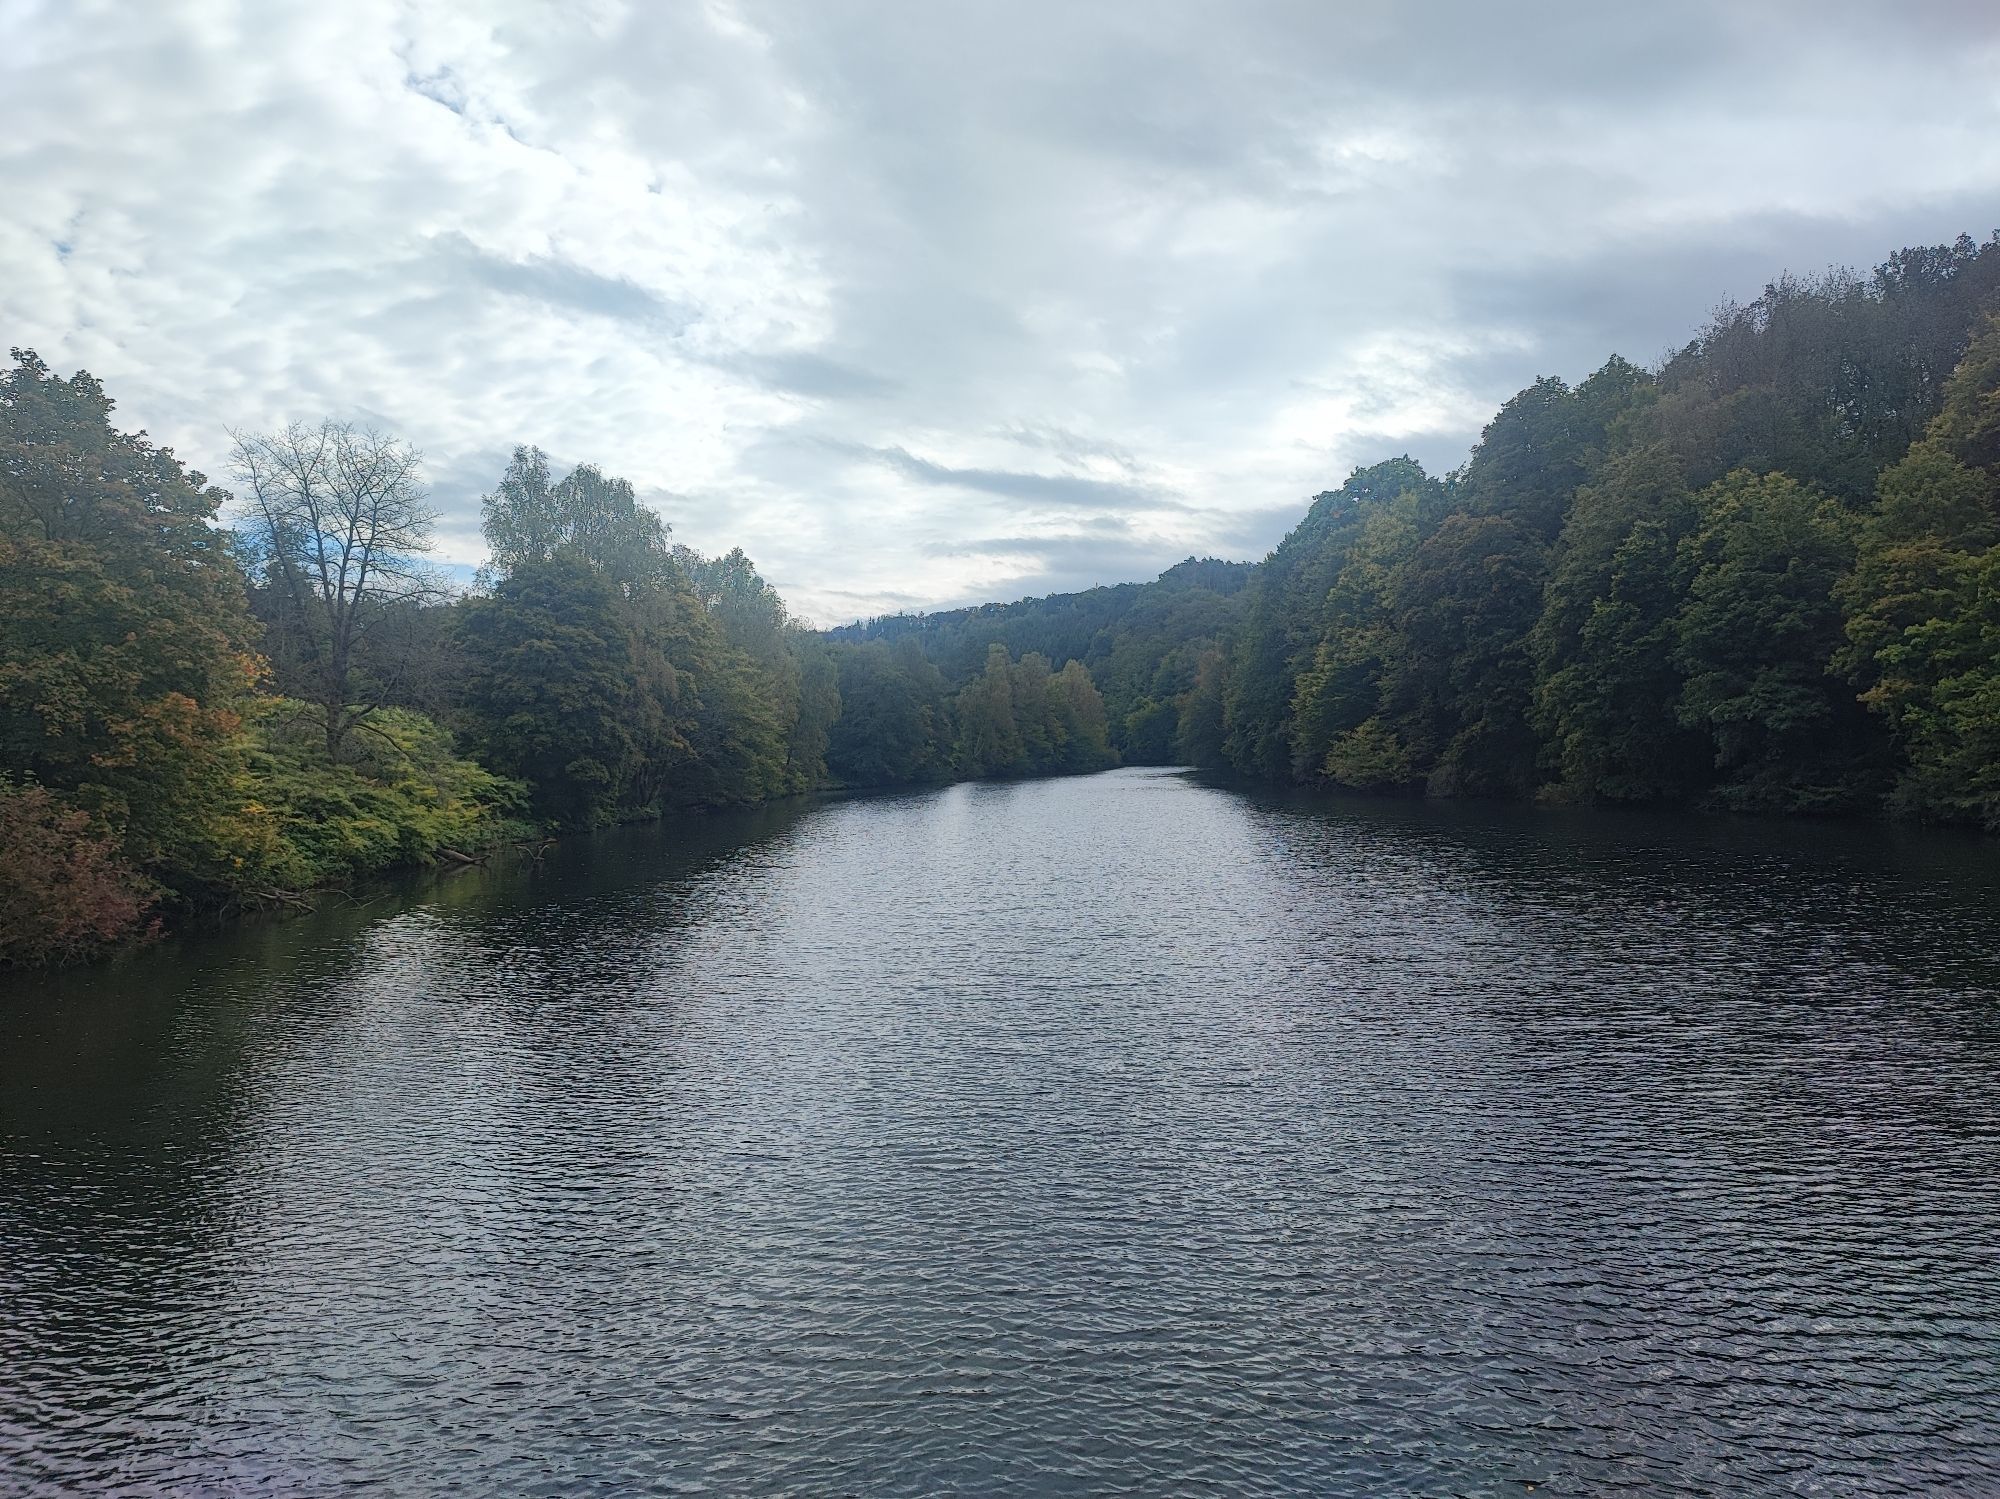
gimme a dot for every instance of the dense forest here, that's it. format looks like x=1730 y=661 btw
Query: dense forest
x=1146 y=645
x=1763 y=576
x=211 y=701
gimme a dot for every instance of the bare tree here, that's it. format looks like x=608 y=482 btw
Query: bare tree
x=339 y=521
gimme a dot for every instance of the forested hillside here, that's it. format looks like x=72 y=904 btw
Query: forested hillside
x=1760 y=577
x=1146 y=645
x=1764 y=576
x=212 y=701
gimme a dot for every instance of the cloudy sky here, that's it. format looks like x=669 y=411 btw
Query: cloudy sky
x=923 y=303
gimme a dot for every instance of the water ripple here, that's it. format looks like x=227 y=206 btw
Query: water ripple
x=1113 y=1135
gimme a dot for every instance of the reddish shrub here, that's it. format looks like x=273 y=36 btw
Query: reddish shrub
x=65 y=891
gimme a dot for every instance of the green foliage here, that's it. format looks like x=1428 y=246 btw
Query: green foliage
x=1827 y=380
x=551 y=688
x=1756 y=638
x=1141 y=642
x=892 y=726
x=1567 y=616
x=126 y=654
x=1148 y=731
x=398 y=796
x=1544 y=443
x=1607 y=682
x=1019 y=718
x=1369 y=757
x=1287 y=615
x=1358 y=647
x=530 y=520
x=990 y=741
x=1461 y=679
x=1202 y=737
x=620 y=678
x=819 y=707
x=757 y=734
x=1923 y=625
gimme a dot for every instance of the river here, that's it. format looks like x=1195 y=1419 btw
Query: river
x=1114 y=1134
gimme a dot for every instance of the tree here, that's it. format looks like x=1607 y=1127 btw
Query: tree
x=551 y=688
x=1607 y=685
x=1141 y=642
x=1285 y=621
x=1756 y=638
x=528 y=520
x=1460 y=679
x=126 y=653
x=338 y=525
x=891 y=723
x=762 y=669
x=1370 y=757
x=1923 y=603
x=1201 y=737
x=818 y=710
x=1082 y=732
x=989 y=737
x=1342 y=688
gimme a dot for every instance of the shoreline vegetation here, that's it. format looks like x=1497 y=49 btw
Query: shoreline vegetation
x=1763 y=576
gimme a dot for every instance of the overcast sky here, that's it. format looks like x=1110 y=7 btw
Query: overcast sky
x=925 y=303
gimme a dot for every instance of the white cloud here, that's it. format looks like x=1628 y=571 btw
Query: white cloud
x=1198 y=261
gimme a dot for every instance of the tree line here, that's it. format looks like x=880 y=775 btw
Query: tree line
x=212 y=701
x=1764 y=575
x=1761 y=578
x=1145 y=645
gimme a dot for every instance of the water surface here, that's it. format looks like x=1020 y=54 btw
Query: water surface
x=1115 y=1134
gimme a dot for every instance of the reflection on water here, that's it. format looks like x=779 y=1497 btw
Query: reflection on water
x=1113 y=1134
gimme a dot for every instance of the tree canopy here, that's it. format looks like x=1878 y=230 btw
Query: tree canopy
x=1764 y=575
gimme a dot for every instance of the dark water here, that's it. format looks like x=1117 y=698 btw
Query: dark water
x=1119 y=1134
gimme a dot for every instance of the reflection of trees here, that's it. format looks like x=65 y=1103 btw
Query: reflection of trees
x=1809 y=893
x=225 y=1162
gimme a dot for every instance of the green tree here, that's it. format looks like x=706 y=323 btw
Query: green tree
x=1462 y=678
x=753 y=684
x=1546 y=442
x=126 y=653
x=1285 y=618
x=1201 y=740
x=1082 y=728
x=550 y=689
x=1607 y=684
x=989 y=738
x=1370 y=757
x=1923 y=603
x=1756 y=639
x=1342 y=687
x=530 y=519
x=891 y=727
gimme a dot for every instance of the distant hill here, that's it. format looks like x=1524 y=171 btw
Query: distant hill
x=1143 y=642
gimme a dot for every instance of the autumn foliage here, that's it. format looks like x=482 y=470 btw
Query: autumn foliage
x=65 y=890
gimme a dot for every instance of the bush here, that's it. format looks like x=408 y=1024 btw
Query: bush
x=66 y=892
x=397 y=797
x=1370 y=758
